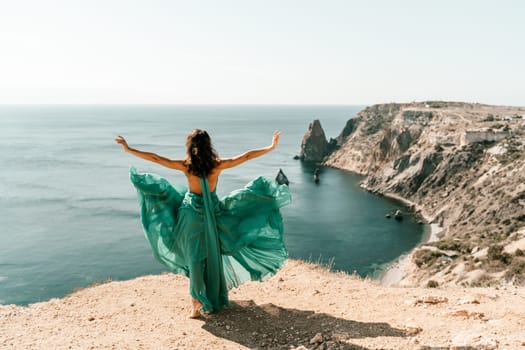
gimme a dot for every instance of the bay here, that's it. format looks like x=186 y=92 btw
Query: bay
x=69 y=215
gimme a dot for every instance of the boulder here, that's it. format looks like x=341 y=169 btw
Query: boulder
x=398 y=215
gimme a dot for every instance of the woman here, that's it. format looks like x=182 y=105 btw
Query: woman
x=218 y=244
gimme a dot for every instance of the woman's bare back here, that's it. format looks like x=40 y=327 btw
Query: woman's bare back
x=194 y=184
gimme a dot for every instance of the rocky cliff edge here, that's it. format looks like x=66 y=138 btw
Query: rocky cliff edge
x=303 y=307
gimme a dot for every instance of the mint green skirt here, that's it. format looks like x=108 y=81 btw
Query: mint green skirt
x=217 y=243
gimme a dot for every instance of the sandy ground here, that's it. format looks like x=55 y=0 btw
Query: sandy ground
x=303 y=306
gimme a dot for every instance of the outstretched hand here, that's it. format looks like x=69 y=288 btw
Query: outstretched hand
x=122 y=141
x=275 y=140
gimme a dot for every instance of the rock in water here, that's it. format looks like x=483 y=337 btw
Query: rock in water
x=398 y=215
x=314 y=146
x=281 y=178
x=316 y=175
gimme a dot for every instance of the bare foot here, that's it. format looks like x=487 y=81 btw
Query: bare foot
x=197 y=305
x=195 y=314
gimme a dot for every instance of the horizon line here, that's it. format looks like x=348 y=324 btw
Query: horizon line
x=245 y=104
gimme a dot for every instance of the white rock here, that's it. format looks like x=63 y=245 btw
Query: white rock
x=318 y=338
x=474 y=340
x=481 y=253
x=468 y=300
x=512 y=247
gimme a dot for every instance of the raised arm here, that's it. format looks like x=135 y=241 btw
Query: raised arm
x=226 y=163
x=152 y=157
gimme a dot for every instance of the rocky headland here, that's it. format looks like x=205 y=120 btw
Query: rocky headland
x=461 y=167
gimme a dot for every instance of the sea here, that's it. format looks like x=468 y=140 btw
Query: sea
x=69 y=215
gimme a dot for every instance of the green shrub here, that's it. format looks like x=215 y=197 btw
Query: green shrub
x=432 y=284
x=516 y=270
x=450 y=244
x=425 y=257
x=495 y=253
x=373 y=128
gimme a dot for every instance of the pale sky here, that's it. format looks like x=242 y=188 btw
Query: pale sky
x=261 y=52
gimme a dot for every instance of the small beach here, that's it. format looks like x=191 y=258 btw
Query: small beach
x=398 y=272
x=400 y=269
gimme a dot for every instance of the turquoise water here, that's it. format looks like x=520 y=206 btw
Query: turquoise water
x=69 y=216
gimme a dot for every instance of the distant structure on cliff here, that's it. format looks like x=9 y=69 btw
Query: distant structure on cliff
x=470 y=136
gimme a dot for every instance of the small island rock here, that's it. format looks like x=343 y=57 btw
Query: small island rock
x=314 y=146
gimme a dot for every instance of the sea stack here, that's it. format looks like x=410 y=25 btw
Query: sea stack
x=314 y=146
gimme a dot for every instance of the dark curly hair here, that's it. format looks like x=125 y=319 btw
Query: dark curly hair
x=201 y=157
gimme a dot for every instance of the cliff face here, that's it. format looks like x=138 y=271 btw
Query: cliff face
x=463 y=166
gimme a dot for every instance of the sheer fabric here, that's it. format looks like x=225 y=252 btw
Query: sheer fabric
x=217 y=243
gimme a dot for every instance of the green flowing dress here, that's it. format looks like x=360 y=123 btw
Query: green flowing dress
x=217 y=243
